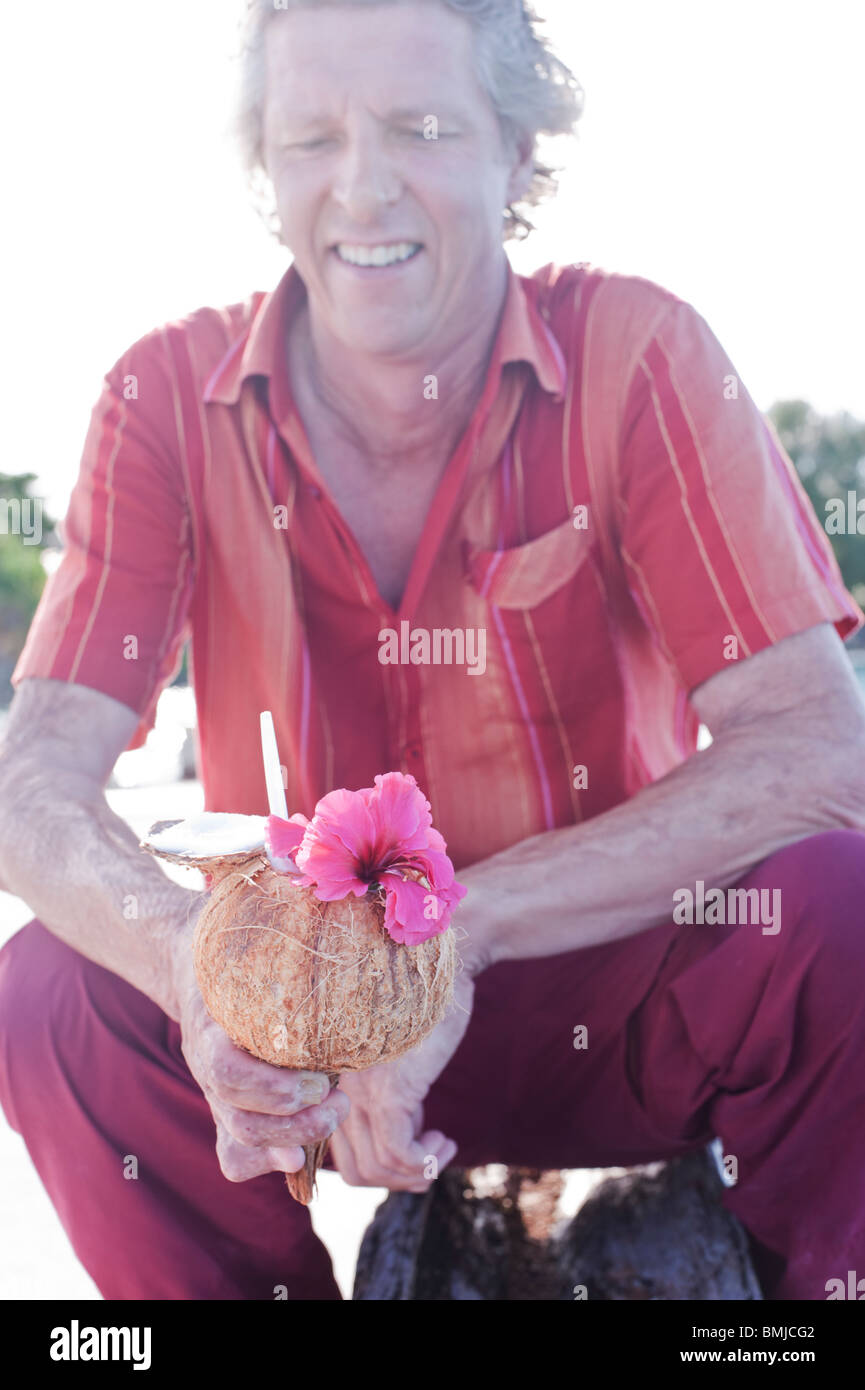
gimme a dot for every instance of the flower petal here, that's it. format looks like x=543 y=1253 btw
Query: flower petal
x=405 y=909
x=341 y=830
x=413 y=913
x=329 y=863
x=400 y=811
x=282 y=837
x=382 y=833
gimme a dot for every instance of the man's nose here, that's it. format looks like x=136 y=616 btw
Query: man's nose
x=365 y=179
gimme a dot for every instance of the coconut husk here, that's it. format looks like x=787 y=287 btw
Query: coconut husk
x=302 y=1184
x=315 y=986
x=306 y=984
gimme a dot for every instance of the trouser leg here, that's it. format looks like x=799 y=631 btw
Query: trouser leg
x=692 y=1032
x=765 y=1035
x=92 y=1076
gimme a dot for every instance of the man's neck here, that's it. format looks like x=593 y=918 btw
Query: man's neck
x=382 y=413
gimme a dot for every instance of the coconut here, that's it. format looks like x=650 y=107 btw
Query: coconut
x=297 y=982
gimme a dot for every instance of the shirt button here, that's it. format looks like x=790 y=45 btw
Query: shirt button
x=413 y=752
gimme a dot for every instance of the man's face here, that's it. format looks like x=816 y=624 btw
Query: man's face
x=349 y=94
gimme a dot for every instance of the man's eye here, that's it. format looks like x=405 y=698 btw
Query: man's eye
x=427 y=135
x=306 y=144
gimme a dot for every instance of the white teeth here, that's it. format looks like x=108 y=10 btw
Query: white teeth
x=377 y=255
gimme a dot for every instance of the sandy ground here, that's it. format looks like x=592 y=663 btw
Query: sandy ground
x=36 y=1258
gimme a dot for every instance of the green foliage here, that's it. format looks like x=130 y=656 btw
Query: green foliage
x=22 y=577
x=829 y=455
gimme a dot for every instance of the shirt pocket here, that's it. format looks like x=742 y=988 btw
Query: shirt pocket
x=547 y=637
x=525 y=576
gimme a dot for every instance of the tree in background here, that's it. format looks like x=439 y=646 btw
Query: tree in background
x=22 y=574
x=829 y=454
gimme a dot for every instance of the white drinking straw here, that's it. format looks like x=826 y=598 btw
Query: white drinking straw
x=272 y=770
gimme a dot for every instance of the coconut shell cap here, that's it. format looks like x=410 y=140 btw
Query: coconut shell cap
x=212 y=841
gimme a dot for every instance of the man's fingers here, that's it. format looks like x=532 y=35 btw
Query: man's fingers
x=378 y=1149
x=355 y=1157
x=364 y=1160
x=240 y=1080
x=398 y=1145
x=342 y=1154
x=239 y=1163
x=382 y=1139
x=289 y=1160
x=276 y=1131
x=414 y=1165
x=394 y=1149
x=439 y=1147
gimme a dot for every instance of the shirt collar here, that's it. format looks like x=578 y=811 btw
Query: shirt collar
x=523 y=336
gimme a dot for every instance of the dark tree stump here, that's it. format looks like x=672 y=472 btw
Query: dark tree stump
x=465 y=1239
x=658 y=1232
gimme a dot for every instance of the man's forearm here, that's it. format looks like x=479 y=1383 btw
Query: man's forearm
x=712 y=818
x=78 y=866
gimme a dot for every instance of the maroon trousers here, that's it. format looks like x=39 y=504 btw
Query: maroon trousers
x=692 y=1032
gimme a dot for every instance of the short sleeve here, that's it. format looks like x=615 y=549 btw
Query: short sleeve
x=717 y=535
x=113 y=615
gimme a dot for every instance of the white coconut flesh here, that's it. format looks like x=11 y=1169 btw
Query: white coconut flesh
x=210 y=835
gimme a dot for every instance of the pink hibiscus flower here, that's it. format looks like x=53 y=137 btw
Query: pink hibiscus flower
x=382 y=834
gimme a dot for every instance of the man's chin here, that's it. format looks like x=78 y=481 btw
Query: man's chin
x=377 y=335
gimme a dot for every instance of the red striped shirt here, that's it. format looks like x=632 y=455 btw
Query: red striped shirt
x=199 y=513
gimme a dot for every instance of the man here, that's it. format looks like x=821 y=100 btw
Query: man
x=405 y=431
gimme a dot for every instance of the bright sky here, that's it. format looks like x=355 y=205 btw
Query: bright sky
x=717 y=155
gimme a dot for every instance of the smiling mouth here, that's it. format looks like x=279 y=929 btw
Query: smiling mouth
x=382 y=257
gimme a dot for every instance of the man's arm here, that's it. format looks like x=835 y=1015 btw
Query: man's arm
x=787 y=762
x=65 y=852
x=78 y=866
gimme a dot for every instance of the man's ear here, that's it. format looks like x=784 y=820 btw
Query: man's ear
x=522 y=169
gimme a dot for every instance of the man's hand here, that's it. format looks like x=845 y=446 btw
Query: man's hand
x=263 y=1113
x=382 y=1143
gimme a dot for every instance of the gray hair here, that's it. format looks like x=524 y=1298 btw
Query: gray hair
x=531 y=90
